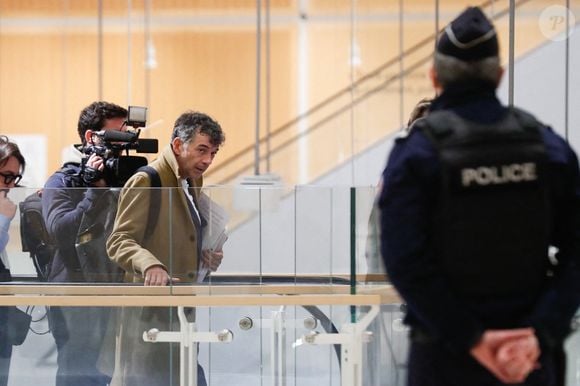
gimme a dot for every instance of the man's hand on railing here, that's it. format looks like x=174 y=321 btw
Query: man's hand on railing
x=156 y=275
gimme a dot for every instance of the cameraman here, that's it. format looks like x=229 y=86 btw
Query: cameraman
x=78 y=331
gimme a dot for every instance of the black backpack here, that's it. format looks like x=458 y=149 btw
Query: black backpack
x=37 y=241
x=34 y=235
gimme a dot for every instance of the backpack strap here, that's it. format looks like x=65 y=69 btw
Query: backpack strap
x=154 y=200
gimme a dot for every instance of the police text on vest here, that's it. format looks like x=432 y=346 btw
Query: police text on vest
x=497 y=175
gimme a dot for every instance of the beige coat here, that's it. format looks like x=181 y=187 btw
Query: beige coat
x=173 y=244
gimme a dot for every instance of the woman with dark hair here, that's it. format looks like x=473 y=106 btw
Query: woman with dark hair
x=11 y=168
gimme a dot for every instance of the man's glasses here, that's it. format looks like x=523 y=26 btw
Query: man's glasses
x=9 y=178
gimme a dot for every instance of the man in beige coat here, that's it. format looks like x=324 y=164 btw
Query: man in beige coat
x=171 y=254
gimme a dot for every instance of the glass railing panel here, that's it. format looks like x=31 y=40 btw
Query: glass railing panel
x=233 y=222
x=276 y=219
x=242 y=359
x=276 y=231
x=260 y=247
x=385 y=357
x=21 y=264
x=32 y=360
x=275 y=235
x=321 y=235
x=288 y=234
x=282 y=235
x=572 y=347
x=285 y=352
x=252 y=344
x=30 y=246
x=367 y=257
x=79 y=223
x=269 y=340
x=312 y=364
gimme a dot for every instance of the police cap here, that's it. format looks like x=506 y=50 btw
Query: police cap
x=470 y=37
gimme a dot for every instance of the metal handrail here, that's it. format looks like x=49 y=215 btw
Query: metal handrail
x=369 y=76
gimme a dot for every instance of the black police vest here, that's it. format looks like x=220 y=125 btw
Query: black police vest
x=491 y=225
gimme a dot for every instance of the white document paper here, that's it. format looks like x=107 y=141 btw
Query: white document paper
x=214 y=234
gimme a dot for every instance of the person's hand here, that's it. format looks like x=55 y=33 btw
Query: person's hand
x=487 y=349
x=96 y=162
x=157 y=276
x=519 y=357
x=212 y=259
x=7 y=207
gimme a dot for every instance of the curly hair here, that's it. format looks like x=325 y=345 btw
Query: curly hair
x=191 y=122
x=94 y=115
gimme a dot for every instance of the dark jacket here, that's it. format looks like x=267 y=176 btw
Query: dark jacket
x=407 y=202
x=65 y=199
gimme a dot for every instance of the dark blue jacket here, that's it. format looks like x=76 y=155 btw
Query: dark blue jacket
x=65 y=199
x=407 y=201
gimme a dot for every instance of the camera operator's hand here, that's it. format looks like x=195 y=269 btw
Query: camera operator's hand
x=7 y=207
x=95 y=162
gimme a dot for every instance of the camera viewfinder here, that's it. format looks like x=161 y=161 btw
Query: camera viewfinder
x=137 y=116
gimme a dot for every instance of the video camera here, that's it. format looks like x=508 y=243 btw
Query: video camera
x=113 y=147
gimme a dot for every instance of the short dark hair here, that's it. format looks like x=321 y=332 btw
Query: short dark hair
x=94 y=115
x=451 y=70
x=10 y=149
x=191 y=122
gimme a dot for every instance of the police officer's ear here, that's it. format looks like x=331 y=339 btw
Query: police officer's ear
x=435 y=80
x=500 y=72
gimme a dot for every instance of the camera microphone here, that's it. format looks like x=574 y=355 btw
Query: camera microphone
x=118 y=136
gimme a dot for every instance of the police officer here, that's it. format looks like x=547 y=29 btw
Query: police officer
x=472 y=200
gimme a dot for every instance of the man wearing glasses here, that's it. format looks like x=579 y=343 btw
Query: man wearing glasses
x=67 y=196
